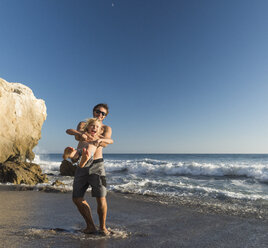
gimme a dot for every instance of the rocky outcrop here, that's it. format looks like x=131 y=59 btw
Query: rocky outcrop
x=67 y=168
x=21 y=120
x=58 y=183
x=21 y=173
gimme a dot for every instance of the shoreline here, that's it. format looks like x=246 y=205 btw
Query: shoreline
x=40 y=219
x=231 y=207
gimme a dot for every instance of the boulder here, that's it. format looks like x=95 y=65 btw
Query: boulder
x=58 y=183
x=21 y=120
x=67 y=168
x=21 y=172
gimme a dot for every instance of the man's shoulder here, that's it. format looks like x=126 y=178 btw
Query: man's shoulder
x=105 y=126
x=106 y=130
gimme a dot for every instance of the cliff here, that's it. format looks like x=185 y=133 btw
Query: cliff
x=21 y=120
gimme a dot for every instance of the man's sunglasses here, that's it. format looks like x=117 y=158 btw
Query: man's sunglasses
x=100 y=112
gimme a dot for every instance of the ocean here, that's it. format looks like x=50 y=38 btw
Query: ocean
x=239 y=180
x=154 y=200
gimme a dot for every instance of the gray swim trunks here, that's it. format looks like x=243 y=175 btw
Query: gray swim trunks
x=94 y=176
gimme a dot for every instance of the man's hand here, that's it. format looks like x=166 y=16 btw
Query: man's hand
x=96 y=142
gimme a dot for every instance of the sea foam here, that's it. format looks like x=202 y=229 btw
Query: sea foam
x=149 y=166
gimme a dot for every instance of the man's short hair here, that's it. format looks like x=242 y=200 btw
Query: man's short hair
x=103 y=105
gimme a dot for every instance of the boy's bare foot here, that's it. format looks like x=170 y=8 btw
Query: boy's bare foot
x=68 y=152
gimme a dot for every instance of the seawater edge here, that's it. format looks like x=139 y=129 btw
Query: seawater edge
x=231 y=207
x=234 y=184
x=39 y=219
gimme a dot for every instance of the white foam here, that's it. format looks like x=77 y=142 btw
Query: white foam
x=47 y=165
x=176 y=178
x=183 y=189
x=149 y=166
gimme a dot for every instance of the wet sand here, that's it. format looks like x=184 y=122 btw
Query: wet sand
x=39 y=219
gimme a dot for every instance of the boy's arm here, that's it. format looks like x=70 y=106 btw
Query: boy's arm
x=80 y=136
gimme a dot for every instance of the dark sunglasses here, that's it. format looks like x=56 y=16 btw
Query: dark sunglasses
x=100 y=112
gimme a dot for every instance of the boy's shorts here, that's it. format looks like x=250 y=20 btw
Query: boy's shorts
x=83 y=179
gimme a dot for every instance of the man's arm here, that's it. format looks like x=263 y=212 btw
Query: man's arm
x=102 y=142
x=107 y=134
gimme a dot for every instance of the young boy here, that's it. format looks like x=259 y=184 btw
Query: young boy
x=89 y=140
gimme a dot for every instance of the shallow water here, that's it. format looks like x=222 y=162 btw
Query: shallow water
x=25 y=222
x=37 y=219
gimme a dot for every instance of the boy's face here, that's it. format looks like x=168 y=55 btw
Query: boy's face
x=94 y=128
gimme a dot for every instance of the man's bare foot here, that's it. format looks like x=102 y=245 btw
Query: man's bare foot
x=104 y=232
x=90 y=230
x=68 y=151
x=86 y=157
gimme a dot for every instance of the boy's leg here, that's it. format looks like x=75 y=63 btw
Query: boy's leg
x=87 y=155
x=70 y=152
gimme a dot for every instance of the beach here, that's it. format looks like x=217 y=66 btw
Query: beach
x=40 y=219
x=178 y=94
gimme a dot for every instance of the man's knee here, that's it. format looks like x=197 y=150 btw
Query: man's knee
x=78 y=201
x=101 y=201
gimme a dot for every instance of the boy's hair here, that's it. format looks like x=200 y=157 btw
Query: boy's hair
x=104 y=105
x=90 y=121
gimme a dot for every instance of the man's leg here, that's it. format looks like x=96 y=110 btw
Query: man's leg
x=102 y=212
x=85 y=211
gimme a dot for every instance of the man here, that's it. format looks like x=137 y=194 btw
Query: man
x=93 y=175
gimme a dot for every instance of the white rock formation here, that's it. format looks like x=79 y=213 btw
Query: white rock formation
x=21 y=120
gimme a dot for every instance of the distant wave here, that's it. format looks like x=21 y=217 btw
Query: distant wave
x=154 y=187
x=240 y=179
x=159 y=167
x=47 y=165
x=151 y=166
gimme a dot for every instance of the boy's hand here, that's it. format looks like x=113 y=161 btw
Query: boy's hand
x=90 y=138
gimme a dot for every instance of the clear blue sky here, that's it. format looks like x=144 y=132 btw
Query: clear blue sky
x=180 y=76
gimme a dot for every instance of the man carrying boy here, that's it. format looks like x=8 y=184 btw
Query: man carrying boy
x=93 y=175
x=89 y=139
